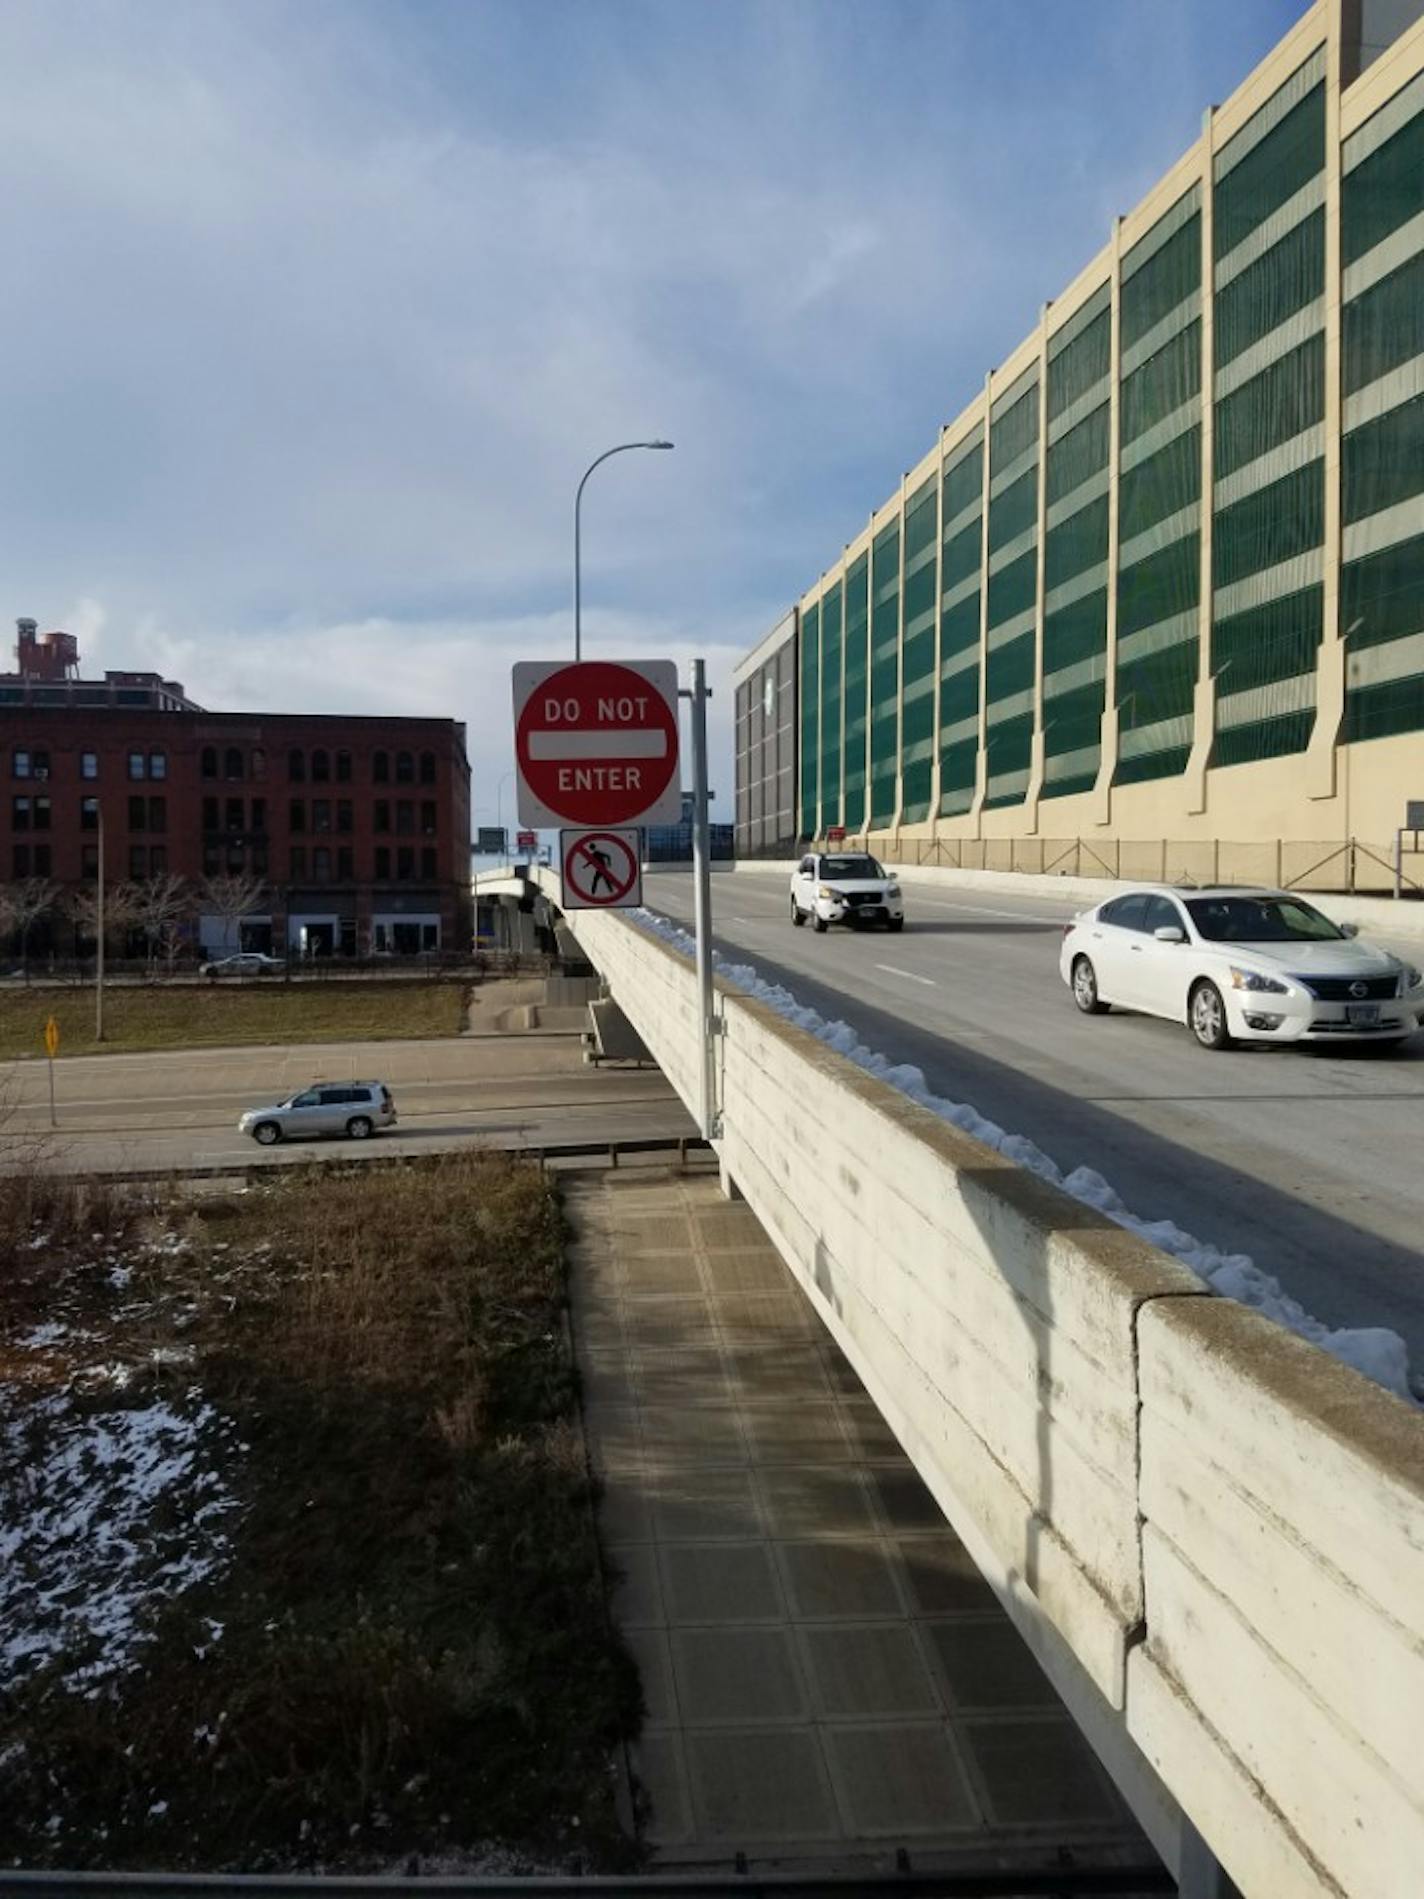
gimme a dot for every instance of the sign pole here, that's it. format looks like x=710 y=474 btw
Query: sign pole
x=99 y=921
x=51 y=1042
x=702 y=903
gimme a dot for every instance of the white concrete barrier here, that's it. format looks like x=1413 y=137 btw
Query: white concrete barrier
x=1211 y=1535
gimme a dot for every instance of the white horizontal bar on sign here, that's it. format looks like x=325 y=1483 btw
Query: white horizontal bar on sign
x=611 y=744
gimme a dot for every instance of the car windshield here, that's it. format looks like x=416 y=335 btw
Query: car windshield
x=851 y=866
x=1260 y=920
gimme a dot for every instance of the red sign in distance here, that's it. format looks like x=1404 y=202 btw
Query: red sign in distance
x=596 y=743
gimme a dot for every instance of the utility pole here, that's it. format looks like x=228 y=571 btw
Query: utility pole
x=99 y=921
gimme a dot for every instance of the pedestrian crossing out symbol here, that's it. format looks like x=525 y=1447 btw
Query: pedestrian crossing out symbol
x=602 y=870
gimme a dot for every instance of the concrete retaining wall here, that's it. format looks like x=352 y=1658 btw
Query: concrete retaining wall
x=1211 y=1535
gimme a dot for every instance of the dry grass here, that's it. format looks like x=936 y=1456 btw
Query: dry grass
x=214 y=1016
x=415 y=1655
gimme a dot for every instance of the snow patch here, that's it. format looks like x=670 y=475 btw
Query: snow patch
x=1379 y=1353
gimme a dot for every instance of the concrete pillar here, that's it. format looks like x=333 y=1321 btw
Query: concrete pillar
x=730 y=1189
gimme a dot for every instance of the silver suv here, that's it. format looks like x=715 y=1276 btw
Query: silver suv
x=353 y=1108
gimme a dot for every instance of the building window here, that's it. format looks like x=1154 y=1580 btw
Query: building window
x=40 y=762
x=380 y=768
x=20 y=860
x=88 y=814
x=405 y=818
x=427 y=862
x=234 y=814
x=41 y=814
x=405 y=768
x=297 y=815
x=345 y=865
x=138 y=814
x=210 y=814
x=138 y=765
x=236 y=859
x=259 y=860
x=138 y=864
x=89 y=861
x=343 y=814
x=232 y=762
x=259 y=762
x=42 y=860
x=210 y=761
x=88 y=764
x=296 y=766
x=211 y=860
x=157 y=860
x=158 y=814
x=298 y=860
x=405 y=863
x=321 y=767
x=20 y=764
x=382 y=821
x=19 y=814
x=427 y=818
x=383 y=863
x=259 y=814
x=343 y=768
x=321 y=864
x=321 y=814
x=158 y=764
x=427 y=768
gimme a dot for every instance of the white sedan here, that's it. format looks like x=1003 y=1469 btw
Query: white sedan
x=845 y=887
x=1248 y=965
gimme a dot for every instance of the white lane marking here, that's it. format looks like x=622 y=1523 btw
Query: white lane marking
x=908 y=974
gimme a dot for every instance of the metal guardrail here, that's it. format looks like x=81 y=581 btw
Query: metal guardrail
x=1061 y=1880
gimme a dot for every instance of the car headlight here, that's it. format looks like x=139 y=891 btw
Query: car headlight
x=892 y=890
x=1252 y=979
x=826 y=891
x=1409 y=978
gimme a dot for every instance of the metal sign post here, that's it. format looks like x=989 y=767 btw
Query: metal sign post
x=709 y=1118
x=51 y=1042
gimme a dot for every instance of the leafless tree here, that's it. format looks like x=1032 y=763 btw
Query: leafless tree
x=232 y=898
x=160 y=904
x=120 y=911
x=22 y=904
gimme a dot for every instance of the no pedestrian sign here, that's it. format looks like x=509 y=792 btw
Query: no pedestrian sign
x=602 y=870
x=596 y=743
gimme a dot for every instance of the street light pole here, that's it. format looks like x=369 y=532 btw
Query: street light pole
x=499 y=805
x=621 y=449
x=99 y=920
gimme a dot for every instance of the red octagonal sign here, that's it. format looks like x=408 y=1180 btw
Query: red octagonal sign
x=596 y=743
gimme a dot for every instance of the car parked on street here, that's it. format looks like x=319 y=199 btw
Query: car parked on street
x=356 y=1109
x=844 y=887
x=247 y=963
x=1239 y=965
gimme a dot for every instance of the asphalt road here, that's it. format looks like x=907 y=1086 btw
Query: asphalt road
x=128 y=1112
x=1310 y=1161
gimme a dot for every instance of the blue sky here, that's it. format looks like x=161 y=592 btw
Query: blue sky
x=314 y=313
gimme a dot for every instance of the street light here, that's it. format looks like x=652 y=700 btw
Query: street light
x=621 y=449
x=499 y=805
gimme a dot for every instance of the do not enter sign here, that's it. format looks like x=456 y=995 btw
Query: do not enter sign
x=596 y=743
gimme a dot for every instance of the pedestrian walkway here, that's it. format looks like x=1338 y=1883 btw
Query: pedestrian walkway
x=827 y=1676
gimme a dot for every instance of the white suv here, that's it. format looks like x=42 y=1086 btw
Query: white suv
x=844 y=887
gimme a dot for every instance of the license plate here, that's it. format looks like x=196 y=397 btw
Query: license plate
x=1363 y=1014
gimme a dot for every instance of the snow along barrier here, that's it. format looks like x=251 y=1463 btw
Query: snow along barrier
x=1211 y=1535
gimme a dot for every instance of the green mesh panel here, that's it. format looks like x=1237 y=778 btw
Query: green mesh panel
x=1270 y=526
x=1159 y=686
x=1155 y=589
x=1382 y=192
x=1384 y=327
x=1161 y=486
x=831 y=633
x=810 y=716
x=1014 y=511
x=884 y=674
x=1264 y=738
x=1073 y=722
x=1008 y=669
x=958 y=765
x=1276 y=640
x=1079 y=455
x=1288 y=277
x=1167 y=279
x=1287 y=158
x=1075 y=633
x=1162 y=384
x=1080 y=365
x=1076 y=544
x=1382 y=595
x=958 y=700
x=1383 y=462
x=856 y=636
x=917 y=662
x=921 y=527
x=1168 y=763
x=1010 y=749
x=1285 y=399
x=1396 y=705
x=963 y=484
x=961 y=556
x=1013 y=589
x=1015 y=432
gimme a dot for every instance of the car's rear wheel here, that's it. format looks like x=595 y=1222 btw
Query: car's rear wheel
x=798 y=915
x=1085 y=988
x=266 y=1134
x=821 y=926
x=1207 y=1014
x=897 y=923
x=359 y=1127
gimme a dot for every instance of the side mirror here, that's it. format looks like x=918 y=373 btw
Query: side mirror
x=1349 y=929
x=1170 y=933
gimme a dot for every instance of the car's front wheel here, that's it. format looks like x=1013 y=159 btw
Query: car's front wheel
x=1207 y=1013
x=266 y=1134
x=1085 y=988
x=821 y=926
x=359 y=1127
x=897 y=923
x=798 y=915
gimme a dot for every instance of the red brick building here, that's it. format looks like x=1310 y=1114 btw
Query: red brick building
x=358 y=827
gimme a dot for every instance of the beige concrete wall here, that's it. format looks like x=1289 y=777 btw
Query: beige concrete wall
x=1209 y=1533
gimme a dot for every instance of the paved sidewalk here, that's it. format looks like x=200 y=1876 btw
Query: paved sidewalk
x=827 y=1676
